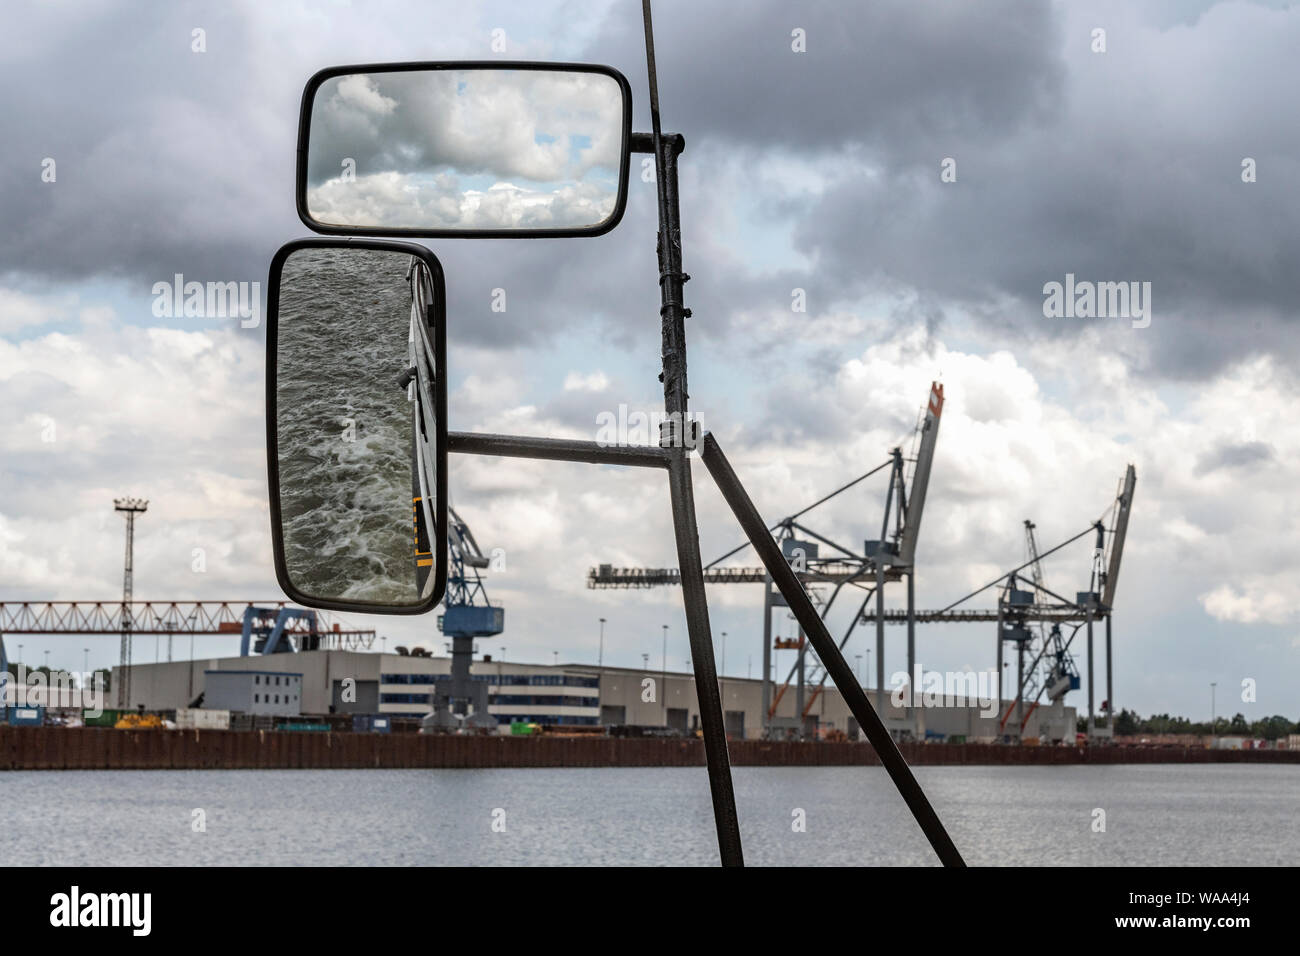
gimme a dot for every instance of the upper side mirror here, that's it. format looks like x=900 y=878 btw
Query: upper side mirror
x=464 y=149
x=356 y=432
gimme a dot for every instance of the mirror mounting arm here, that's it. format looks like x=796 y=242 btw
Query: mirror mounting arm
x=645 y=142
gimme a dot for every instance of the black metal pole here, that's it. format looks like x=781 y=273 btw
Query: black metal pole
x=677 y=436
x=832 y=659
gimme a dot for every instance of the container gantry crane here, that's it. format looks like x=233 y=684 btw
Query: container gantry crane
x=467 y=614
x=889 y=558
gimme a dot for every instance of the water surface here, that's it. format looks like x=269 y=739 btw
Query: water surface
x=1155 y=814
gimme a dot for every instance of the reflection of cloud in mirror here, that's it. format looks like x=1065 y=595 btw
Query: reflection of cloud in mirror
x=392 y=199
x=467 y=148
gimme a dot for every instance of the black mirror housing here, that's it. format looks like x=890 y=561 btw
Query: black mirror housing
x=350 y=519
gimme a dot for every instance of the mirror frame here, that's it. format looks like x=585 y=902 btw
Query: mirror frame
x=438 y=334
x=328 y=229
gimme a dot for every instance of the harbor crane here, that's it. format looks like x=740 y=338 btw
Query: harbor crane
x=889 y=558
x=1023 y=601
x=467 y=614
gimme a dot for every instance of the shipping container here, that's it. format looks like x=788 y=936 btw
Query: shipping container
x=26 y=716
x=201 y=718
x=105 y=718
x=371 y=724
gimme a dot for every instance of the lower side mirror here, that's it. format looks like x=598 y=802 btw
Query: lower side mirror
x=355 y=427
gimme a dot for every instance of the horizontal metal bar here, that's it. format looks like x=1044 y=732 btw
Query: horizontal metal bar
x=556 y=449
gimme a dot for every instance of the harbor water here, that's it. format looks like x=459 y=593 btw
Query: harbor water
x=1117 y=815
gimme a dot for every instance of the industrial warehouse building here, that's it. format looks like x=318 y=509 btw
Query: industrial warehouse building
x=577 y=695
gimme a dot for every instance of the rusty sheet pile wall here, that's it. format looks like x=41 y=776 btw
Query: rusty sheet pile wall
x=94 y=748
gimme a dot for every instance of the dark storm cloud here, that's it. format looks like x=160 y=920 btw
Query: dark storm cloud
x=1122 y=166
x=889 y=74
x=162 y=155
x=1238 y=455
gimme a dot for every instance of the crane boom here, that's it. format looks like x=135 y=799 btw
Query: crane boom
x=1124 y=505
x=921 y=477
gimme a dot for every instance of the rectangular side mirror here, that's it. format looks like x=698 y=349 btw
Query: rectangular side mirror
x=356 y=428
x=492 y=149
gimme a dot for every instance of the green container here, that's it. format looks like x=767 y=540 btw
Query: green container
x=313 y=728
x=521 y=729
x=106 y=718
x=956 y=738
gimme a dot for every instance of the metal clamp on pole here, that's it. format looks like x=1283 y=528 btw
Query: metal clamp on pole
x=675 y=433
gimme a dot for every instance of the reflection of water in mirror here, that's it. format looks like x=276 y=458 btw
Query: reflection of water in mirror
x=345 y=495
x=470 y=149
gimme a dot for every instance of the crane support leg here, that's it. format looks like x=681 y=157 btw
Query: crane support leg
x=839 y=670
x=911 y=640
x=880 y=639
x=1110 y=686
x=768 y=704
x=799 y=681
x=999 y=654
x=1092 y=675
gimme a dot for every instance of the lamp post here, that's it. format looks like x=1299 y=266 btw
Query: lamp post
x=600 y=654
x=1214 y=729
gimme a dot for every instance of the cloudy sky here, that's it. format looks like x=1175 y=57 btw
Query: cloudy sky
x=920 y=170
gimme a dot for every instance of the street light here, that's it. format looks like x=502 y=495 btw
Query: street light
x=723 y=669
x=600 y=655
x=1214 y=729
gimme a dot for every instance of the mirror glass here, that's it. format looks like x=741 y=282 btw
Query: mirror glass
x=444 y=151
x=354 y=469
